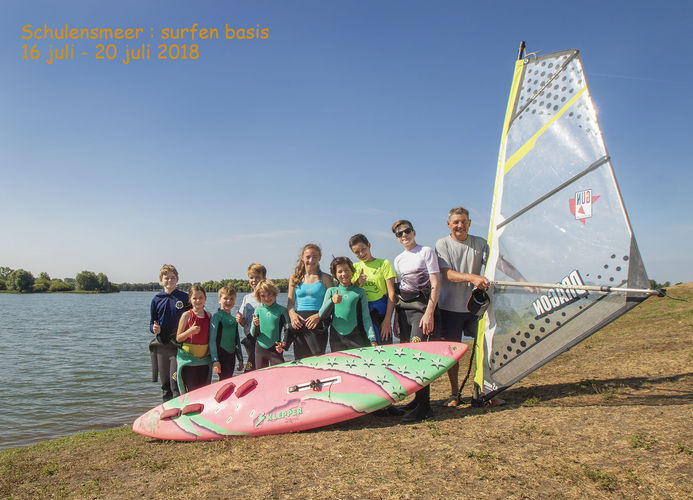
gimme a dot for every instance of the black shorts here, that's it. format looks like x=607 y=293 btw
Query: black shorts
x=454 y=324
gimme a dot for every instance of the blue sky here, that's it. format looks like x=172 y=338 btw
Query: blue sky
x=352 y=114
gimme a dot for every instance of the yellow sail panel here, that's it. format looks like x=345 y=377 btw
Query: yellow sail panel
x=517 y=78
x=527 y=147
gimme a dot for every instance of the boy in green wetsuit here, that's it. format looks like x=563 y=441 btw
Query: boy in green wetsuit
x=269 y=319
x=224 y=341
x=347 y=306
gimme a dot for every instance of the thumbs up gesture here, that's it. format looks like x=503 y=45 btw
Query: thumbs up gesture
x=362 y=278
x=336 y=298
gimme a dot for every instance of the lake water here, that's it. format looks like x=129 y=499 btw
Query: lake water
x=76 y=362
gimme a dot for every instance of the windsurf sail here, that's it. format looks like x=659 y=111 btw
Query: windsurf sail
x=562 y=257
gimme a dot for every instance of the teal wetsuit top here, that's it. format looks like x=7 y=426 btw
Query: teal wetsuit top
x=273 y=320
x=345 y=315
x=223 y=332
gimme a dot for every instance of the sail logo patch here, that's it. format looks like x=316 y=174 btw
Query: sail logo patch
x=556 y=298
x=581 y=205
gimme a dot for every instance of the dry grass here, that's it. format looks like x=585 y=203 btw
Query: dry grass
x=612 y=418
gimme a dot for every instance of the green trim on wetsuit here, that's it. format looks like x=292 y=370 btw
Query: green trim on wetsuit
x=184 y=358
x=345 y=317
x=273 y=320
x=225 y=324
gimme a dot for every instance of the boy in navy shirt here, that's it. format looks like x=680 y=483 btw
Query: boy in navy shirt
x=166 y=309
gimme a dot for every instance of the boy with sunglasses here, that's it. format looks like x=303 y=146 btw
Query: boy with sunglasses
x=418 y=287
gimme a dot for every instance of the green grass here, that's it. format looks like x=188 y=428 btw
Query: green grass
x=642 y=440
x=682 y=448
x=603 y=480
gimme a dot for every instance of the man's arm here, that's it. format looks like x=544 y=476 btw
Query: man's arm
x=457 y=277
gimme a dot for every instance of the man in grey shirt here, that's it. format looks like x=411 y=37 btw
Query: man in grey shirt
x=461 y=258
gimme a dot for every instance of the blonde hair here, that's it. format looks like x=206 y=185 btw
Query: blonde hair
x=300 y=269
x=167 y=268
x=266 y=286
x=229 y=291
x=256 y=268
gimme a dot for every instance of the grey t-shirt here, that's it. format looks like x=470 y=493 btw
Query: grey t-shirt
x=468 y=256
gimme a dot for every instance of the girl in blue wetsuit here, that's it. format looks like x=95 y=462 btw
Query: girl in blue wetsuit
x=377 y=278
x=346 y=307
x=307 y=288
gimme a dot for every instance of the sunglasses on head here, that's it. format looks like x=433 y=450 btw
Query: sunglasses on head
x=403 y=231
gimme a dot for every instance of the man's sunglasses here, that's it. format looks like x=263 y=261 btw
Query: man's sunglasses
x=403 y=231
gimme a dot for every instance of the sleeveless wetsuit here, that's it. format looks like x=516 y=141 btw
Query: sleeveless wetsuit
x=351 y=325
x=193 y=357
x=309 y=342
x=224 y=342
x=273 y=320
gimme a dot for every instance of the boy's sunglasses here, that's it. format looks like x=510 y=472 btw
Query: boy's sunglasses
x=403 y=231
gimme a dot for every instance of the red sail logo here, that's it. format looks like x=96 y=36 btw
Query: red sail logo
x=581 y=205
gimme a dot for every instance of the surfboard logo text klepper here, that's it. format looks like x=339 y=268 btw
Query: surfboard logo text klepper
x=278 y=415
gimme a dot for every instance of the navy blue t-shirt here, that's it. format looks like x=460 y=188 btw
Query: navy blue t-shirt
x=166 y=309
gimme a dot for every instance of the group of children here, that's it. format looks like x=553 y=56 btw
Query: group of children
x=191 y=344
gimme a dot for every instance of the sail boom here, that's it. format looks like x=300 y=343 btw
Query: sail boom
x=589 y=288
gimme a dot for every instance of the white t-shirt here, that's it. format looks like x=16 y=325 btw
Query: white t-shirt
x=247 y=308
x=414 y=266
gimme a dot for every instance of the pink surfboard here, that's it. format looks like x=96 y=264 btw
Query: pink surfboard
x=303 y=394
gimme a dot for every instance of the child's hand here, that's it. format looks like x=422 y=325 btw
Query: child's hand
x=256 y=320
x=336 y=298
x=296 y=320
x=362 y=278
x=216 y=367
x=194 y=330
x=240 y=366
x=240 y=319
x=385 y=330
x=312 y=321
x=279 y=347
x=156 y=328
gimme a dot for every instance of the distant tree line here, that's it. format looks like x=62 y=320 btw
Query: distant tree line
x=241 y=286
x=22 y=281
x=666 y=284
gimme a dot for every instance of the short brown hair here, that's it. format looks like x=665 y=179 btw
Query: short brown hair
x=167 y=268
x=228 y=291
x=256 y=268
x=358 y=238
x=340 y=261
x=266 y=286
x=399 y=223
